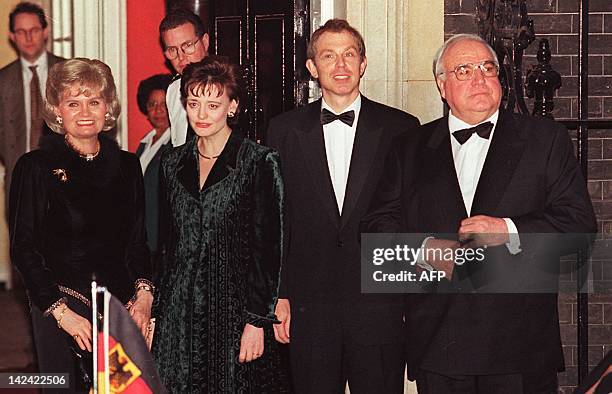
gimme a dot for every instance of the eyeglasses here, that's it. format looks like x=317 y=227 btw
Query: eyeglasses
x=464 y=72
x=31 y=32
x=188 y=48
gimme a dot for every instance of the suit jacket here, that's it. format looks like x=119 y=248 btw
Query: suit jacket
x=321 y=269
x=151 y=186
x=88 y=219
x=530 y=176
x=12 y=115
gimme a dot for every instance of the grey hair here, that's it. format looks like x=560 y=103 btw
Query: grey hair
x=438 y=67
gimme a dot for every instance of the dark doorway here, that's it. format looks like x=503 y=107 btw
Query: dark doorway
x=269 y=39
x=261 y=35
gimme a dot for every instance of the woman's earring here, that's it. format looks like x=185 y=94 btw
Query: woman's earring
x=107 y=116
x=231 y=114
x=59 y=120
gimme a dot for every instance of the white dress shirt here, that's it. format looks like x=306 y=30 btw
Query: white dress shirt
x=151 y=148
x=177 y=114
x=469 y=160
x=339 y=138
x=42 y=71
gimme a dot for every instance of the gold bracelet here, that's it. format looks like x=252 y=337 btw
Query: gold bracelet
x=61 y=316
x=144 y=287
x=144 y=284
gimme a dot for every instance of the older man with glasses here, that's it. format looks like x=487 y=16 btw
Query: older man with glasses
x=185 y=40
x=494 y=180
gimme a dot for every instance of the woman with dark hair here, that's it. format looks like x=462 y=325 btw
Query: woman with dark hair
x=77 y=210
x=222 y=248
x=151 y=99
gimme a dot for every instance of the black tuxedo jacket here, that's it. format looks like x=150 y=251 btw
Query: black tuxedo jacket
x=321 y=268
x=531 y=176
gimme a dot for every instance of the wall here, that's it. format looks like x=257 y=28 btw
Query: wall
x=145 y=58
x=558 y=21
x=400 y=48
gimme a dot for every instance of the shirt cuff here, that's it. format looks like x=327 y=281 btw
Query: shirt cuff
x=420 y=261
x=514 y=241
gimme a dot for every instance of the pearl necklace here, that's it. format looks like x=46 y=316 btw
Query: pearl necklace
x=86 y=156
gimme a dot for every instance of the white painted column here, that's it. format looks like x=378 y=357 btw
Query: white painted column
x=401 y=39
x=95 y=29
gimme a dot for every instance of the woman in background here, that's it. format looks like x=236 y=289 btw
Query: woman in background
x=77 y=210
x=151 y=99
x=225 y=198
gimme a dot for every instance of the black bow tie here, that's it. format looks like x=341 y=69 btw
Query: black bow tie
x=347 y=117
x=483 y=130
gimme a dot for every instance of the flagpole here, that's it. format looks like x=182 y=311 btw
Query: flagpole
x=94 y=323
x=105 y=324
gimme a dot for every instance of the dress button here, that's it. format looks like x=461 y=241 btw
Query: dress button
x=340 y=244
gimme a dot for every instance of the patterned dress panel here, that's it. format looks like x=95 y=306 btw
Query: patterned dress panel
x=212 y=282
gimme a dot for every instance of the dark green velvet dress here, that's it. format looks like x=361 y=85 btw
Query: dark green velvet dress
x=221 y=269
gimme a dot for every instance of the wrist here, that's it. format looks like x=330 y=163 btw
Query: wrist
x=55 y=306
x=59 y=314
x=144 y=295
x=144 y=285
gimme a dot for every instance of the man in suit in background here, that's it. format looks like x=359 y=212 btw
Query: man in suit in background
x=332 y=154
x=22 y=85
x=185 y=40
x=497 y=179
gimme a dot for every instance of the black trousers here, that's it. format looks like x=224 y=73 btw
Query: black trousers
x=326 y=368
x=58 y=353
x=539 y=382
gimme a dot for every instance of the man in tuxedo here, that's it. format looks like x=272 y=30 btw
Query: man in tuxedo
x=22 y=85
x=332 y=154
x=185 y=40
x=498 y=185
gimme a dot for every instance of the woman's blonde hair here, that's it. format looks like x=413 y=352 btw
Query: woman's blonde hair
x=90 y=75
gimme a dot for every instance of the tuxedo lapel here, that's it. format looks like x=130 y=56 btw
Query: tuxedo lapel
x=310 y=135
x=440 y=177
x=504 y=154
x=140 y=149
x=365 y=146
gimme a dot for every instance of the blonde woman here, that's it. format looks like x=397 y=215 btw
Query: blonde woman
x=76 y=210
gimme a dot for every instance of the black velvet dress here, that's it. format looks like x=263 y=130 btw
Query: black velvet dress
x=68 y=220
x=221 y=271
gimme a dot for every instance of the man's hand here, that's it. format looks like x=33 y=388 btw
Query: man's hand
x=251 y=343
x=283 y=313
x=437 y=259
x=483 y=230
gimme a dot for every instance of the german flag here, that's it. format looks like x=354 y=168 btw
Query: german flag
x=131 y=368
